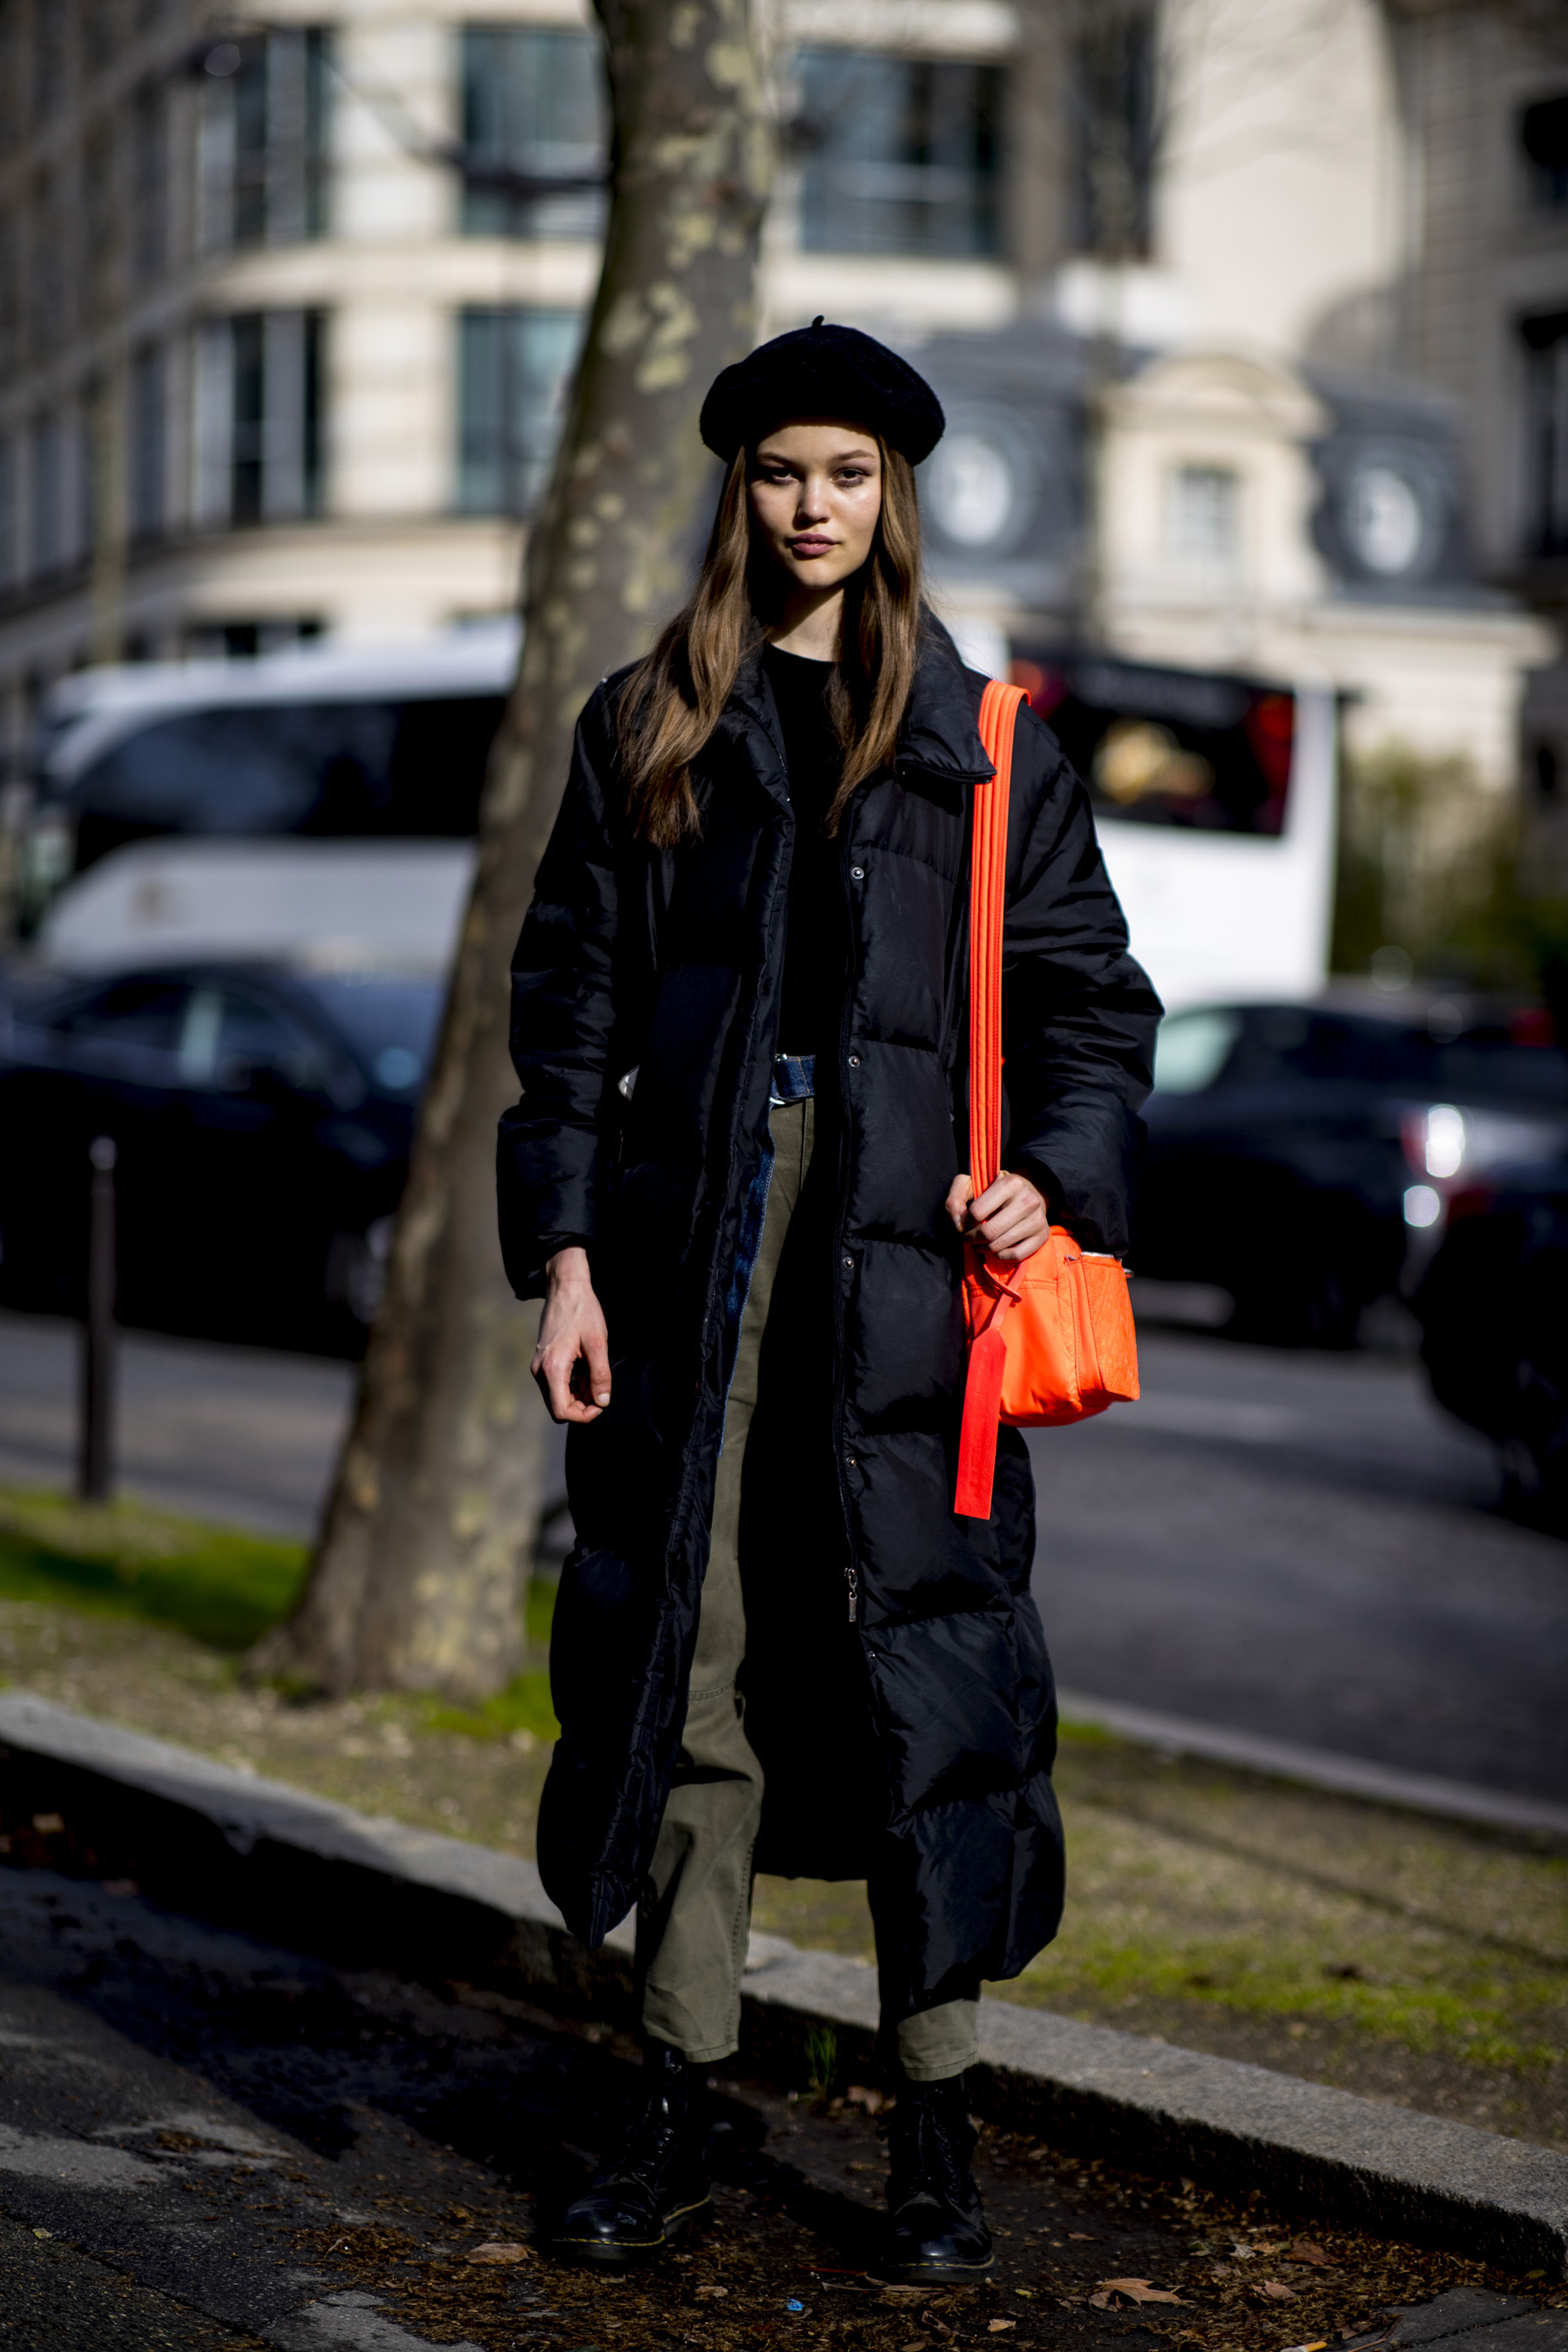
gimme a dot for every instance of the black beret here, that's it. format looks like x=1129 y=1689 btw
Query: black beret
x=821 y=370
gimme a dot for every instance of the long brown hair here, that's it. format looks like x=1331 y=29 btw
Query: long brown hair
x=675 y=698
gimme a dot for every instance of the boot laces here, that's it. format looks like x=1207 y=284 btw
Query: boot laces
x=932 y=2160
x=649 y=2140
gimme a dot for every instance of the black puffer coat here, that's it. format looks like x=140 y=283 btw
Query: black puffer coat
x=914 y=1746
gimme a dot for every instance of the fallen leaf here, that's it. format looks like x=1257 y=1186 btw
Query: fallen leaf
x=1304 y=2251
x=902 y=2294
x=1135 y=2291
x=1026 y=2291
x=498 y=2250
x=915 y=2344
x=1082 y=2236
x=999 y=2326
x=713 y=2290
x=870 y=2103
x=1276 y=2291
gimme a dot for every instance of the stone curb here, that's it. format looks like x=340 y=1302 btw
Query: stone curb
x=1319 y=1767
x=81 y=1795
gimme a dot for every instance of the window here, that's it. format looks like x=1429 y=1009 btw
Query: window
x=266 y=138
x=513 y=368
x=49 y=262
x=1203 y=516
x=1191 y=1049
x=8 y=512
x=390 y=1023
x=243 y=640
x=1546 y=488
x=146 y=484
x=1113 y=84
x=222 y=1027
x=48 y=470
x=1543 y=136
x=10 y=70
x=145 y=1014
x=339 y=771
x=533 y=108
x=149 y=183
x=258 y=417
x=10 y=306
x=901 y=153
x=50 y=33
x=1175 y=748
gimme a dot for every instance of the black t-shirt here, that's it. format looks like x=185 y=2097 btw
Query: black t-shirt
x=812 y=1002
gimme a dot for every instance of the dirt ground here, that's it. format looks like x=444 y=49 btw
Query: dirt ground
x=781 y=2265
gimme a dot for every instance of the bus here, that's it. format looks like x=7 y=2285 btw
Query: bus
x=1215 y=802
x=325 y=800
x=305 y=801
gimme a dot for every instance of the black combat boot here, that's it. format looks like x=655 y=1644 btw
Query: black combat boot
x=654 y=2186
x=937 y=2230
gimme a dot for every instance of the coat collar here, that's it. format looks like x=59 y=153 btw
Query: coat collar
x=940 y=738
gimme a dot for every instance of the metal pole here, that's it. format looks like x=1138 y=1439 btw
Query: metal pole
x=96 y=1471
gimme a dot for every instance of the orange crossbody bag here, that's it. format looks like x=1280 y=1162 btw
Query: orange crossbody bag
x=1051 y=1339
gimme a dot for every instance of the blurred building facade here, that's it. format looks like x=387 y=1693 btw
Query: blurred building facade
x=1251 y=316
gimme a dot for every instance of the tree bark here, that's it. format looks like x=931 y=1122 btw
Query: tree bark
x=416 y=1584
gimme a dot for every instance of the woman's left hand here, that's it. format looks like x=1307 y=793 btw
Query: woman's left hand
x=1010 y=1217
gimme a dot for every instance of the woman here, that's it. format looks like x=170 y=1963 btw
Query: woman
x=735 y=1175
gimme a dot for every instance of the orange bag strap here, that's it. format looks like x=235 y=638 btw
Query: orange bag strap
x=987 y=908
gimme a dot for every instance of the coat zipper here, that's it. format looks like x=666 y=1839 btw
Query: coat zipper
x=851 y=1567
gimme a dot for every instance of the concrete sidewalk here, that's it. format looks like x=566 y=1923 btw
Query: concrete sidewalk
x=81 y=1796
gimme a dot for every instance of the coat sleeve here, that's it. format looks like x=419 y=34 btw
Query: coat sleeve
x=562 y=1020
x=1078 y=1016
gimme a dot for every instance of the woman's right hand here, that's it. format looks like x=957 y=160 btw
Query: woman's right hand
x=572 y=1360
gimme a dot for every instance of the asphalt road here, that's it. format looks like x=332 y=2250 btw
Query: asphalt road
x=244 y=1434
x=1290 y=1544
x=1302 y=1546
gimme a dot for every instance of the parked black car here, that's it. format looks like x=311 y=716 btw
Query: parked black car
x=1494 y=1313
x=262 y=1118
x=1301 y=1156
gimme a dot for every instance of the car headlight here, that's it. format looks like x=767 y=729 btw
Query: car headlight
x=1422 y=1206
x=1444 y=1142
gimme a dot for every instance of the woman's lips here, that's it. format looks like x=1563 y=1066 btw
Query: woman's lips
x=812 y=544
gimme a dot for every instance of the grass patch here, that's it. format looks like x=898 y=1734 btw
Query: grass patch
x=1194 y=1884
x=1417 y=1960
x=220 y=1587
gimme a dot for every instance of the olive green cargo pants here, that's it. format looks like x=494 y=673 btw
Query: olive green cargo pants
x=694 y=1917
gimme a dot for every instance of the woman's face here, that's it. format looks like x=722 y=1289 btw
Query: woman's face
x=816 y=492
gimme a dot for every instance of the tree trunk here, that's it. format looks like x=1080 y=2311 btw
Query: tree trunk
x=417 y=1580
